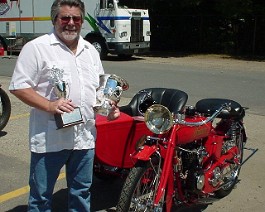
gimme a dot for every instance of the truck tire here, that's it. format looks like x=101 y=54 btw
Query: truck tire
x=5 y=108
x=100 y=46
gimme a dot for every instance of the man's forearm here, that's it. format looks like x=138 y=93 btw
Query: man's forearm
x=32 y=98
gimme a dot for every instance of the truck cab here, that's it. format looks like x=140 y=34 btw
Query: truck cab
x=109 y=25
x=117 y=29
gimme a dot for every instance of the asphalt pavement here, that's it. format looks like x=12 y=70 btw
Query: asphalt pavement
x=14 y=156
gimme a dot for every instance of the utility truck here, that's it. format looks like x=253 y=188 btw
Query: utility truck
x=109 y=25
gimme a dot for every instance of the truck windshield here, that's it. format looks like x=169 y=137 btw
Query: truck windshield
x=107 y=4
x=136 y=4
x=121 y=5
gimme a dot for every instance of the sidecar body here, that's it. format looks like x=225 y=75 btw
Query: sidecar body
x=116 y=139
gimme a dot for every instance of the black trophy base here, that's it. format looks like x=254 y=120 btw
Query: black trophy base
x=68 y=119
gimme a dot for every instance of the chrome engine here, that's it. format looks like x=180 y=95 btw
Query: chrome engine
x=192 y=155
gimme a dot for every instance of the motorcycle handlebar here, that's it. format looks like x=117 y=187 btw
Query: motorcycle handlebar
x=180 y=120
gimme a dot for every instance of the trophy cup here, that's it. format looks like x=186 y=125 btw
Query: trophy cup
x=61 y=89
x=110 y=89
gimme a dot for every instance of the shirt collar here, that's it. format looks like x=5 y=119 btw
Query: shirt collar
x=81 y=42
x=53 y=37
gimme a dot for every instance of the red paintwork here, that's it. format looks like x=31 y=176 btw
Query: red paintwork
x=167 y=167
x=116 y=139
x=145 y=153
x=188 y=134
x=179 y=135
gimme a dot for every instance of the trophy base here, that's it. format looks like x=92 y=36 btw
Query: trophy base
x=68 y=119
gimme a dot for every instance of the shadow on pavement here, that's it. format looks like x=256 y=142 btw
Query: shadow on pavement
x=2 y=133
x=20 y=208
x=105 y=195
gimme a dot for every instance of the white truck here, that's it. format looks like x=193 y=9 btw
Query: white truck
x=110 y=26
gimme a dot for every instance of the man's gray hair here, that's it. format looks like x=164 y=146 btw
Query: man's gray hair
x=72 y=3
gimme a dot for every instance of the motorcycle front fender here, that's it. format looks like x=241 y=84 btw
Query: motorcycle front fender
x=144 y=153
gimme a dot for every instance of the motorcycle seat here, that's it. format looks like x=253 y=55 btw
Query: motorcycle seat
x=208 y=106
x=174 y=99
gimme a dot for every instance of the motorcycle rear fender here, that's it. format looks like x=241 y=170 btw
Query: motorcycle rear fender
x=145 y=153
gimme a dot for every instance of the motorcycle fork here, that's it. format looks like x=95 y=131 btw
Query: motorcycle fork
x=166 y=177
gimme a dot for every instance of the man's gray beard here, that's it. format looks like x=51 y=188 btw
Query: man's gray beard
x=69 y=37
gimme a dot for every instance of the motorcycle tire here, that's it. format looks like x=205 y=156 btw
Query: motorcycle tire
x=5 y=109
x=226 y=190
x=138 y=190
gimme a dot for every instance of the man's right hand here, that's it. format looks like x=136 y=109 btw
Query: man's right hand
x=33 y=99
x=61 y=106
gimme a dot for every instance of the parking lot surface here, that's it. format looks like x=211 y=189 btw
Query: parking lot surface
x=14 y=157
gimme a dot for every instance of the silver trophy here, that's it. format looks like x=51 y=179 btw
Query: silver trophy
x=110 y=90
x=62 y=90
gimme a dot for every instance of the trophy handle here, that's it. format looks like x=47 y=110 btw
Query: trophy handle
x=121 y=82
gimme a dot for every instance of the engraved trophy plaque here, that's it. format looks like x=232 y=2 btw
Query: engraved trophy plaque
x=61 y=89
x=110 y=89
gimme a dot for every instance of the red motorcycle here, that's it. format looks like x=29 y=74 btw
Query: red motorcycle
x=173 y=155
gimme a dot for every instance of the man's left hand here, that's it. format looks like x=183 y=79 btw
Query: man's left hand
x=114 y=112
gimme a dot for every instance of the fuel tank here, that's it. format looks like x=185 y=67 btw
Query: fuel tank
x=187 y=134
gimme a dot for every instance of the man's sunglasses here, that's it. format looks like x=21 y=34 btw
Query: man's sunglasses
x=67 y=19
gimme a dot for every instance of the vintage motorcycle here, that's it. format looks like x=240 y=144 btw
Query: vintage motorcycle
x=188 y=156
x=172 y=155
x=5 y=108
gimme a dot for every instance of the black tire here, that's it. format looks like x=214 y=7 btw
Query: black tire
x=100 y=46
x=5 y=108
x=125 y=56
x=140 y=182
x=233 y=179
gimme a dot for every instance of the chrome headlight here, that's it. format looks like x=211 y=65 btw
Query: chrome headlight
x=158 y=119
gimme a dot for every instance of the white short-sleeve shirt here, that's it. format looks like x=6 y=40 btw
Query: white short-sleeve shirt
x=81 y=71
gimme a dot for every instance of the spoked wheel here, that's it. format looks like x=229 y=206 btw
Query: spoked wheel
x=5 y=108
x=231 y=180
x=139 y=189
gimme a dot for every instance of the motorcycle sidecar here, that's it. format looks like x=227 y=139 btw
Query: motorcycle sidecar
x=116 y=139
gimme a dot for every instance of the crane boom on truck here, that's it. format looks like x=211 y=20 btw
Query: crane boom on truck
x=110 y=26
